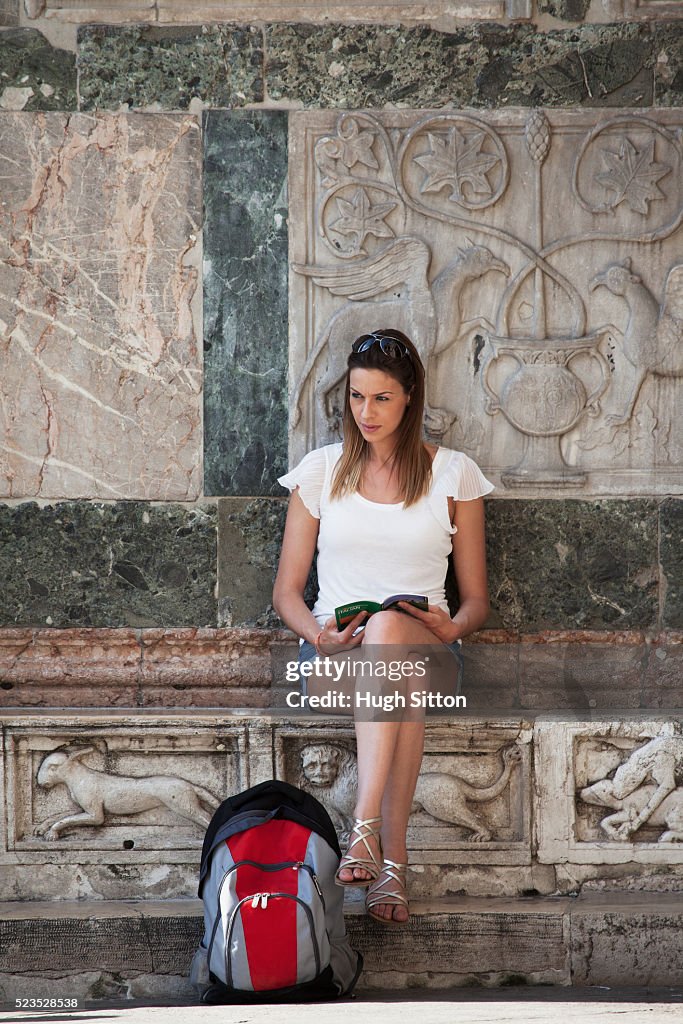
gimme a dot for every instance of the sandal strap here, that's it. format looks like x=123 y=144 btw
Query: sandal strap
x=363 y=828
x=394 y=872
x=395 y=864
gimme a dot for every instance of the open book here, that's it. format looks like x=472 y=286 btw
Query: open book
x=345 y=612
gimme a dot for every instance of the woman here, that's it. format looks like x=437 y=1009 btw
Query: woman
x=385 y=510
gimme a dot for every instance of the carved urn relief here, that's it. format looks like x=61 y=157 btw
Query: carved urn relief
x=532 y=258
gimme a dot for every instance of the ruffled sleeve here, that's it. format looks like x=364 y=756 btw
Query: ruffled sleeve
x=459 y=478
x=309 y=477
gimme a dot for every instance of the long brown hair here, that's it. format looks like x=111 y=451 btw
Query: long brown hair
x=412 y=463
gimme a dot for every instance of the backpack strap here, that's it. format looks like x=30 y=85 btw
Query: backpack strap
x=280 y=798
x=272 y=786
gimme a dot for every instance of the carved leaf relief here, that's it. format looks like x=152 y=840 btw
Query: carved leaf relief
x=360 y=217
x=456 y=160
x=631 y=176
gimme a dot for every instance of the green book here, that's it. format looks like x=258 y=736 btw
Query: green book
x=345 y=612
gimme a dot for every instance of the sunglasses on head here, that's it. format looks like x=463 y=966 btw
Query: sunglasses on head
x=389 y=346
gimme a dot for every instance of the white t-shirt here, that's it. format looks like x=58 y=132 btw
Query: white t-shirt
x=369 y=551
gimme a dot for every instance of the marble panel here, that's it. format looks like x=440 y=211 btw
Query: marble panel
x=190 y=667
x=356 y=66
x=86 y=11
x=35 y=74
x=121 y=564
x=574 y=564
x=566 y=10
x=582 y=676
x=249 y=537
x=607 y=791
x=647 y=10
x=99 y=234
x=336 y=10
x=245 y=301
x=249 y=542
x=527 y=312
x=137 y=66
x=669 y=64
x=9 y=12
x=663 y=682
x=109 y=789
x=471 y=801
x=671 y=555
x=212 y=11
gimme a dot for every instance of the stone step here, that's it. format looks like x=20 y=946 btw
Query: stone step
x=142 y=949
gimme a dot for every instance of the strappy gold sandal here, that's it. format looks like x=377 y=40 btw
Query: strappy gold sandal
x=390 y=888
x=360 y=833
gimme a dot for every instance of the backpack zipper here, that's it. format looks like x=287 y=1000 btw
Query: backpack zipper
x=294 y=864
x=264 y=897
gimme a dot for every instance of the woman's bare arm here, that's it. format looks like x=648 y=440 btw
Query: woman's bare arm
x=296 y=558
x=469 y=562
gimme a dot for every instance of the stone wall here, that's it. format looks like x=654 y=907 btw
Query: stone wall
x=145 y=295
x=161 y=292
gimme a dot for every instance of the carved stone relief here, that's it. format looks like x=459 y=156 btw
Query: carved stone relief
x=462 y=797
x=531 y=256
x=329 y=772
x=101 y=794
x=125 y=790
x=621 y=792
x=644 y=792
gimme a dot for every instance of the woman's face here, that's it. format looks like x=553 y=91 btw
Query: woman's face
x=378 y=403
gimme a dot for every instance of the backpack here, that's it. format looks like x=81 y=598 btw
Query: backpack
x=273 y=922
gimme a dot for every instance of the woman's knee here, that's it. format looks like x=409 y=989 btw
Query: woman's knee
x=386 y=627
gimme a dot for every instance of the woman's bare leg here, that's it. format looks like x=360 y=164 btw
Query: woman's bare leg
x=389 y=756
x=397 y=803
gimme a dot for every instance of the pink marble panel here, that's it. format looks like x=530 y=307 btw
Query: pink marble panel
x=100 y=395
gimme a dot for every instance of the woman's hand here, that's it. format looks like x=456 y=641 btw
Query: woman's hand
x=332 y=640
x=435 y=619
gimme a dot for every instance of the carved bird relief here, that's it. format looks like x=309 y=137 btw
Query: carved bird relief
x=394 y=288
x=653 y=341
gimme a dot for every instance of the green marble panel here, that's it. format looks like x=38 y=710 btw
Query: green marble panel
x=671 y=556
x=249 y=542
x=361 y=66
x=552 y=565
x=29 y=61
x=573 y=564
x=129 y=563
x=221 y=65
x=669 y=65
x=245 y=301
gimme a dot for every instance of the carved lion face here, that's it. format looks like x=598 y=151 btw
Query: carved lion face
x=320 y=764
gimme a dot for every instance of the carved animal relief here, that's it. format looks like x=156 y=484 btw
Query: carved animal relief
x=99 y=795
x=645 y=791
x=532 y=259
x=329 y=772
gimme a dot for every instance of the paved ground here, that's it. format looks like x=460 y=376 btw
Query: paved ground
x=538 y=1005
